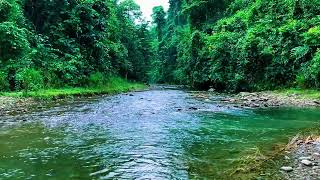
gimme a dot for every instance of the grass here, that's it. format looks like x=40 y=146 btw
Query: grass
x=303 y=93
x=113 y=86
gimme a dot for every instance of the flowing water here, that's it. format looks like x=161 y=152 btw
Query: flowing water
x=157 y=134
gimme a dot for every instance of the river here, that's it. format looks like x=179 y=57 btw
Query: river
x=163 y=133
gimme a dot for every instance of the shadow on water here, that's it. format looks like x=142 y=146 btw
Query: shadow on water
x=159 y=134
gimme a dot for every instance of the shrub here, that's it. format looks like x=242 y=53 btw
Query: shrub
x=311 y=71
x=13 y=41
x=29 y=79
x=301 y=81
x=96 y=80
x=3 y=82
x=5 y=9
x=312 y=37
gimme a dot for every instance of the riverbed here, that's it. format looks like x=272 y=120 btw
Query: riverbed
x=163 y=133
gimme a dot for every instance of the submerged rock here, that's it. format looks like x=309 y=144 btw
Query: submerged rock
x=317 y=102
x=286 y=168
x=306 y=162
x=316 y=154
x=193 y=108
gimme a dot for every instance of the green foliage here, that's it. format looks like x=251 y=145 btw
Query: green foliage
x=312 y=37
x=13 y=41
x=29 y=79
x=4 y=85
x=230 y=45
x=5 y=8
x=69 y=41
x=97 y=79
x=113 y=85
x=241 y=45
x=310 y=76
x=159 y=19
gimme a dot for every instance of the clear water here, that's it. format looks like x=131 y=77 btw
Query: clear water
x=152 y=135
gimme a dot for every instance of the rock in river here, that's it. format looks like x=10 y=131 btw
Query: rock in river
x=286 y=168
x=306 y=162
x=305 y=158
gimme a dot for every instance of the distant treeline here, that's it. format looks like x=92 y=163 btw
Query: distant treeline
x=238 y=45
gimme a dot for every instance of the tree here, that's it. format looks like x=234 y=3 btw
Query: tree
x=159 y=19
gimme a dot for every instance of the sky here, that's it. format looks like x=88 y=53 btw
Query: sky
x=147 y=5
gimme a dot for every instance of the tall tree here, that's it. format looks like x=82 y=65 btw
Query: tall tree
x=159 y=19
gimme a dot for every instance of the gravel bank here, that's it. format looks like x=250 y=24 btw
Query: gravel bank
x=11 y=105
x=258 y=99
x=304 y=160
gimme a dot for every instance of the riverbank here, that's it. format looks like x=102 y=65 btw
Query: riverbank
x=17 y=102
x=299 y=160
x=303 y=158
x=265 y=99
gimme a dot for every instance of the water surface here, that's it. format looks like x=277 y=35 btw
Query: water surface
x=156 y=134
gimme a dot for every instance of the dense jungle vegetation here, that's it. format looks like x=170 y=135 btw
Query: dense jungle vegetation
x=232 y=45
x=71 y=43
x=238 y=45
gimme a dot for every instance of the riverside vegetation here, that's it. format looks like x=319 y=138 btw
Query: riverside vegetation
x=228 y=45
x=77 y=46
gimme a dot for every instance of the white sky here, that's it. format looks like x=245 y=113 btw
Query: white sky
x=147 y=5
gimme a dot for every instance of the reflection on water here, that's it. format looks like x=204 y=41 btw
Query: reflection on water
x=152 y=135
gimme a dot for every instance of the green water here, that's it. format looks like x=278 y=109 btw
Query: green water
x=151 y=135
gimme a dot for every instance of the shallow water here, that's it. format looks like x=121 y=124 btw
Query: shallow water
x=156 y=134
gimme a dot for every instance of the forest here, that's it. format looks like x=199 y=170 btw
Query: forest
x=239 y=45
x=71 y=43
x=227 y=45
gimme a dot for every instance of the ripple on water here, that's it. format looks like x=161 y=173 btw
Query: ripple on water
x=158 y=134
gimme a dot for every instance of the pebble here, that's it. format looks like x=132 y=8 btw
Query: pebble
x=287 y=157
x=306 y=162
x=286 y=168
x=316 y=154
x=305 y=158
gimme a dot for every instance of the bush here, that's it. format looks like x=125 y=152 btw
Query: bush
x=3 y=82
x=311 y=72
x=301 y=81
x=97 y=80
x=13 y=41
x=5 y=9
x=29 y=79
x=312 y=37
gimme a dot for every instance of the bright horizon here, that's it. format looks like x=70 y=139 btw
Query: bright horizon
x=147 y=5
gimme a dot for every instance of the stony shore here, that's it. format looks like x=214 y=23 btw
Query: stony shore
x=11 y=105
x=270 y=99
x=302 y=159
x=258 y=99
